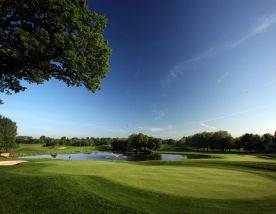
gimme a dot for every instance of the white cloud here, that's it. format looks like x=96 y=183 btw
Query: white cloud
x=223 y=77
x=103 y=127
x=163 y=132
x=170 y=126
x=207 y=127
x=205 y=123
x=152 y=129
x=157 y=129
x=158 y=114
x=264 y=23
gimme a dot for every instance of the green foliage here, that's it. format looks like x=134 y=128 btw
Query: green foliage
x=121 y=144
x=258 y=143
x=169 y=141
x=25 y=140
x=154 y=143
x=220 y=140
x=8 y=131
x=269 y=142
x=223 y=141
x=207 y=141
x=48 y=141
x=136 y=142
x=40 y=40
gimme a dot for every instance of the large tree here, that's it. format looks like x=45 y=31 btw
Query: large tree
x=8 y=131
x=40 y=40
x=138 y=142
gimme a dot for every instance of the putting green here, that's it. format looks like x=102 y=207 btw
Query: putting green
x=186 y=181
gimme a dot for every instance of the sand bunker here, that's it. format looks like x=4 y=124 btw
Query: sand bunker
x=62 y=147
x=11 y=163
x=5 y=155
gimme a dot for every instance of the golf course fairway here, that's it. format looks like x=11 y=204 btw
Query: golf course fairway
x=226 y=184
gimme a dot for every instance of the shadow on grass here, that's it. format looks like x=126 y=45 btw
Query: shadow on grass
x=51 y=193
x=27 y=189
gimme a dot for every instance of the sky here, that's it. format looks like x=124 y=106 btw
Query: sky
x=178 y=67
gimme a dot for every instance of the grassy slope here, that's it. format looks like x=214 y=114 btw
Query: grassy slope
x=29 y=149
x=227 y=184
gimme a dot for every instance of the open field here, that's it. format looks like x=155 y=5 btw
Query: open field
x=32 y=149
x=230 y=183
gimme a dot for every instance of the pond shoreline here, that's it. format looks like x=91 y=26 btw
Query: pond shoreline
x=110 y=156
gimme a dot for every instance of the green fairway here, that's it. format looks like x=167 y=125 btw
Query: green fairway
x=226 y=184
x=29 y=149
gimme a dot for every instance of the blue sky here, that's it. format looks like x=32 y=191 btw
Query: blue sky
x=178 y=67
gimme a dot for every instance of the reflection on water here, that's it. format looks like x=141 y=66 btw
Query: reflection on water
x=114 y=156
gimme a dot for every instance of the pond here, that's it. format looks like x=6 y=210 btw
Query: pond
x=115 y=156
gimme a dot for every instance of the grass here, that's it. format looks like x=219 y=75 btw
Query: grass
x=232 y=183
x=33 y=149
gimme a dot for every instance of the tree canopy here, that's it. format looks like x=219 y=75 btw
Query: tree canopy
x=40 y=40
x=223 y=141
x=136 y=142
x=8 y=131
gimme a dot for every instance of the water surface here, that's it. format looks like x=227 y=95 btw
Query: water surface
x=112 y=156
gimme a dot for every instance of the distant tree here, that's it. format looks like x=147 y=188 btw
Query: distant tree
x=222 y=140
x=201 y=141
x=40 y=40
x=246 y=141
x=157 y=142
x=50 y=142
x=24 y=139
x=1 y=102
x=170 y=141
x=75 y=141
x=42 y=140
x=274 y=142
x=206 y=140
x=181 y=142
x=195 y=141
x=91 y=140
x=68 y=142
x=267 y=141
x=257 y=143
x=238 y=144
x=252 y=143
x=138 y=142
x=8 y=131
x=121 y=144
x=63 y=141
x=154 y=143
x=97 y=141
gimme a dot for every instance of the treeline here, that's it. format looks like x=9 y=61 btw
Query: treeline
x=223 y=141
x=205 y=141
x=64 y=141
x=135 y=142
